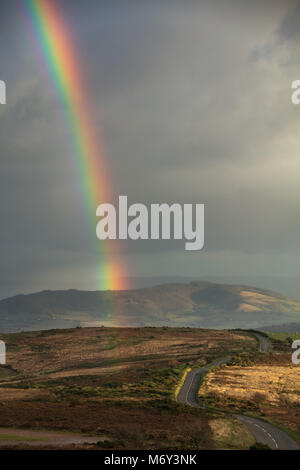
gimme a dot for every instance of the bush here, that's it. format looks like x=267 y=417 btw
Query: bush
x=259 y=446
x=243 y=360
x=259 y=397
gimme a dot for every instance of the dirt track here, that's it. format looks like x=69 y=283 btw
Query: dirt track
x=19 y=437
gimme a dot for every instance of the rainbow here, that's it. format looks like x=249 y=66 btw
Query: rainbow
x=63 y=66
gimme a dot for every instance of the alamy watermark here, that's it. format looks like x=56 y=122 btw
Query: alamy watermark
x=160 y=222
x=2 y=353
x=2 y=92
x=296 y=94
x=296 y=354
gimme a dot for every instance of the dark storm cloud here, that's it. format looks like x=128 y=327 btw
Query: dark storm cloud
x=290 y=26
x=193 y=101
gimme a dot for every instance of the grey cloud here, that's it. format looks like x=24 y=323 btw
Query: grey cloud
x=193 y=100
x=290 y=26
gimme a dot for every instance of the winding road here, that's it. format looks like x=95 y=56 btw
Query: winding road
x=263 y=432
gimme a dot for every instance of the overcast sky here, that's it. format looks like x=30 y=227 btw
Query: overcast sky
x=193 y=99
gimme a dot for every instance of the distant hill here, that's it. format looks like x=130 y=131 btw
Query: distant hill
x=198 y=304
x=284 y=328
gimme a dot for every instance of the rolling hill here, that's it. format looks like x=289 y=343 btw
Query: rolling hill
x=197 y=304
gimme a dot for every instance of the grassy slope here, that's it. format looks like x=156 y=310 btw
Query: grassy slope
x=116 y=382
x=264 y=385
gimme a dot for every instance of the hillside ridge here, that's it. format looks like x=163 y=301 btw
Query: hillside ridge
x=195 y=304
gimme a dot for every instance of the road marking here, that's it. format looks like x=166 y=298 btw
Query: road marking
x=263 y=429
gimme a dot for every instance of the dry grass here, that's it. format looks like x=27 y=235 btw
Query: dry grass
x=119 y=382
x=243 y=383
x=230 y=433
x=56 y=350
x=269 y=388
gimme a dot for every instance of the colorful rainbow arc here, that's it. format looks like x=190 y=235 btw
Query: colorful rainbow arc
x=64 y=68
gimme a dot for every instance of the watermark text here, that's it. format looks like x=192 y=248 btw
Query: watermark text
x=161 y=222
x=2 y=92
x=296 y=94
x=2 y=353
x=296 y=354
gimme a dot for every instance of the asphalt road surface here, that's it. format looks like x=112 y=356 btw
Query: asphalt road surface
x=264 y=343
x=269 y=435
x=189 y=390
x=262 y=431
